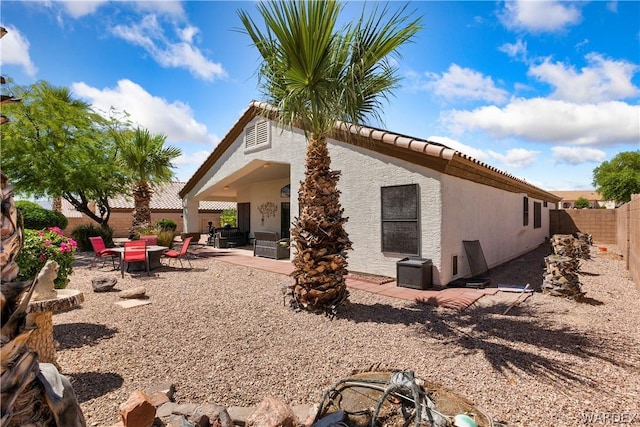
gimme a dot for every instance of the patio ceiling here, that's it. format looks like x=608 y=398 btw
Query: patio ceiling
x=257 y=171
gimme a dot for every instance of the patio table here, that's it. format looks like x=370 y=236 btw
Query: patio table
x=154 y=252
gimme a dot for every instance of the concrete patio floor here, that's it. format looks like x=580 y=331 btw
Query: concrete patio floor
x=453 y=298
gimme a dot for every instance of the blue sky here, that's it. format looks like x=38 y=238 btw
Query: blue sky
x=543 y=90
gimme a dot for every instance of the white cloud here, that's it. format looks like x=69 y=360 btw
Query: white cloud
x=187 y=164
x=545 y=120
x=165 y=7
x=516 y=50
x=77 y=9
x=577 y=155
x=14 y=50
x=540 y=16
x=602 y=80
x=150 y=35
x=459 y=146
x=612 y=6
x=174 y=119
x=466 y=84
x=516 y=157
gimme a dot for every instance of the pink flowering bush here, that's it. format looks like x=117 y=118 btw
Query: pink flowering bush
x=43 y=245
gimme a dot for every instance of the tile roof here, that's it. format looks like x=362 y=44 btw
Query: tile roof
x=426 y=153
x=165 y=197
x=576 y=194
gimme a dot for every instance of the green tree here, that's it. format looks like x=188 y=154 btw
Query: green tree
x=618 y=178
x=148 y=163
x=315 y=74
x=56 y=146
x=582 y=203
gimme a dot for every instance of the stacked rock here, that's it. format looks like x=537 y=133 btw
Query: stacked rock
x=582 y=244
x=561 y=269
x=563 y=245
x=561 y=277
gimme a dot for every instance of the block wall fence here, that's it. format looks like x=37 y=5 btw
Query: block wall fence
x=620 y=227
x=120 y=222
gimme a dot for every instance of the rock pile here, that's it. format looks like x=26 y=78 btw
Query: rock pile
x=561 y=269
x=155 y=408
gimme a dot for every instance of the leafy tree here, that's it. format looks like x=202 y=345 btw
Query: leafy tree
x=619 y=178
x=148 y=163
x=316 y=74
x=582 y=203
x=56 y=146
x=35 y=217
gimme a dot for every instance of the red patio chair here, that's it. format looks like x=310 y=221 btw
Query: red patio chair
x=135 y=251
x=151 y=239
x=179 y=254
x=101 y=251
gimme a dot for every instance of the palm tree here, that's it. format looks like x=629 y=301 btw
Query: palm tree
x=149 y=163
x=316 y=74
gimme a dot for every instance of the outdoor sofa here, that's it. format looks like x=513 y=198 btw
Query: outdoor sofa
x=268 y=244
x=228 y=237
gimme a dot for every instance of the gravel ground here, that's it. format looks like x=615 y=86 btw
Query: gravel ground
x=222 y=335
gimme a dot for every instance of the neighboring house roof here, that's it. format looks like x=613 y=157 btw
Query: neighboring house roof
x=573 y=195
x=414 y=150
x=164 y=198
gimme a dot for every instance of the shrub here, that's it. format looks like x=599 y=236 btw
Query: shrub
x=166 y=224
x=165 y=237
x=36 y=217
x=229 y=216
x=82 y=233
x=582 y=203
x=44 y=245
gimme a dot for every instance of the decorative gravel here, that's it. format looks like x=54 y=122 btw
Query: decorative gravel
x=221 y=334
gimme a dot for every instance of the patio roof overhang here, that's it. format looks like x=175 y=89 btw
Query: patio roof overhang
x=254 y=172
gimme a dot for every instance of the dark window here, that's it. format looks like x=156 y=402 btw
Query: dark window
x=544 y=204
x=537 y=215
x=454 y=265
x=525 y=211
x=400 y=228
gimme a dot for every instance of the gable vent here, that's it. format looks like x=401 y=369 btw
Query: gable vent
x=257 y=135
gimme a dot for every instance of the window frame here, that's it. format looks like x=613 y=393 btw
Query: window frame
x=537 y=215
x=525 y=211
x=386 y=221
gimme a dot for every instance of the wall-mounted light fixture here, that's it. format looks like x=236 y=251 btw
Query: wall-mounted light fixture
x=226 y=187
x=266 y=165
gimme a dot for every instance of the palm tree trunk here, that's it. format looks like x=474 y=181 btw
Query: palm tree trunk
x=142 y=201
x=56 y=204
x=319 y=238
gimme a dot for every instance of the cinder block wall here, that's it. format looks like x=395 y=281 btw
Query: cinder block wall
x=120 y=222
x=600 y=223
x=632 y=238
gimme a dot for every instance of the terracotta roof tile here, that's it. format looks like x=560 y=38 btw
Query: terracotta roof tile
x=164 y=197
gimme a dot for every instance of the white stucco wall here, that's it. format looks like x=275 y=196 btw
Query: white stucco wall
x=360 y=183
x=263 y=192
x=285 y=147
x=474 y=211
x=450 y=209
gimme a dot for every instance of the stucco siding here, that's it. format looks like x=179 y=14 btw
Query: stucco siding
x=363 y=174
x=264 y=192
x=494 y=217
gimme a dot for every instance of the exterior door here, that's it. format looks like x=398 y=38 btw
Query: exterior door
x=285 y=220
x=244 y=217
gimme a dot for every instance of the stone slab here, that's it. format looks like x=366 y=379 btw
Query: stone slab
x=130 y=303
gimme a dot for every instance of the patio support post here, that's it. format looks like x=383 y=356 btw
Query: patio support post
x=190 y=215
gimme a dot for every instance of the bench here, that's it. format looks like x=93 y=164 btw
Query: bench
x=268 y=244
x=223 y=236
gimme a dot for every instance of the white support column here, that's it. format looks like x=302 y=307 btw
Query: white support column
x=190 y=216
